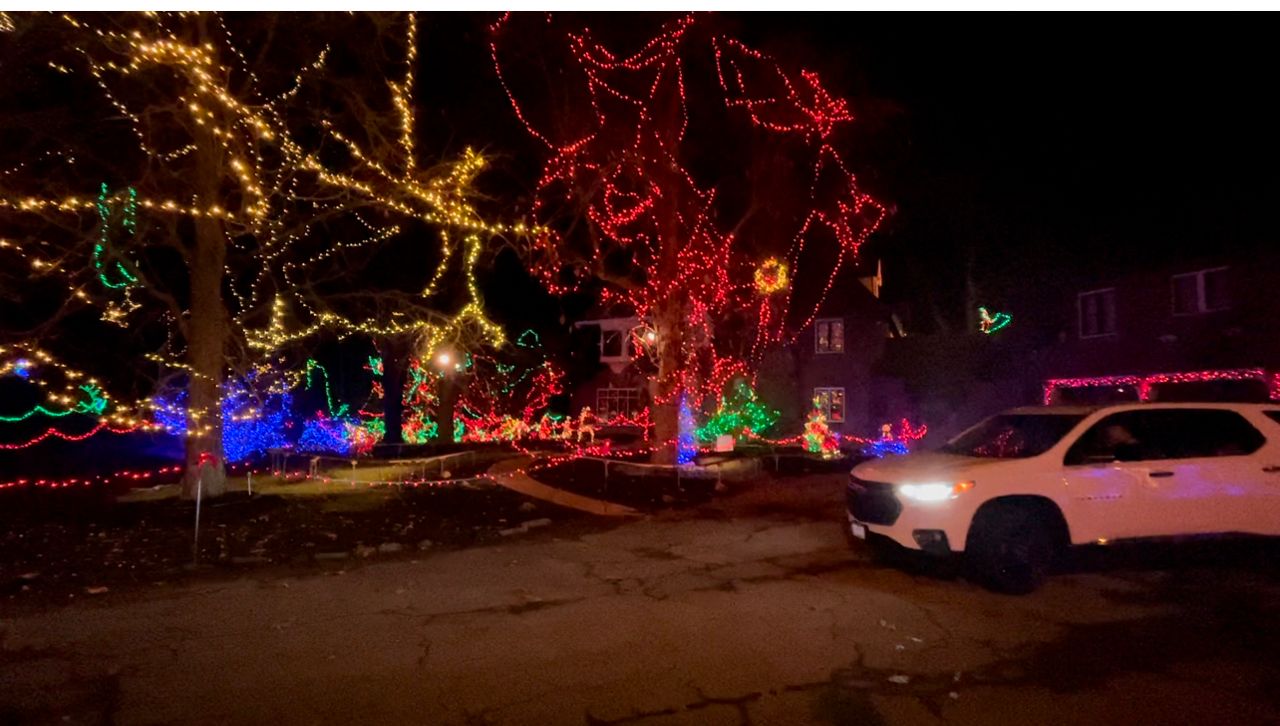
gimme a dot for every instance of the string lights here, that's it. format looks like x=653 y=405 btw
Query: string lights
x=818 y=436
x=623 y=139
x=1143 y=384
x=275 y=189
x=739 y=414
x=990 y=324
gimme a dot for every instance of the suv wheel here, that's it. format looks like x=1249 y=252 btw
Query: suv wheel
x=1010 y=547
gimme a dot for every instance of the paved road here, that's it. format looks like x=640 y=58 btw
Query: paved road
x=750 y=611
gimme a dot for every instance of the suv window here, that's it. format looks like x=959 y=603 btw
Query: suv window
x=1273 y=415
x=1172 y=433
x=1013 y=436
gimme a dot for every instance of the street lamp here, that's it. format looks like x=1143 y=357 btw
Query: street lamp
x=444 y=360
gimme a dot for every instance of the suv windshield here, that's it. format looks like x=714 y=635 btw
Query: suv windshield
x=1013 y=436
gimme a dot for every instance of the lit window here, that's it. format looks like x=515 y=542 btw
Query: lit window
x=1202 y=291
x=830 y=402
x=829 y=335
x=1097 y=313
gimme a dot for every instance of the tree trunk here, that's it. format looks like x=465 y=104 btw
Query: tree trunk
x=206 y=331
x=665 y=404
x=450 y=387
x=207 y=334
x=394 y=363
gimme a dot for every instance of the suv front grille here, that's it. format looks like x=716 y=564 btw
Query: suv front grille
x=872 y=501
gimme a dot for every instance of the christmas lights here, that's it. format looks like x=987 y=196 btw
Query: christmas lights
x=891 y=444
x=686 y=444
x=94 y=405
x=989 y=323
x=255 y=415
x=618 y=153
x=54 y=433
x=275 y=190
x=129 y=222
x=1144 y=383
x=818 y=436
x=771 y=276
x=740 y=414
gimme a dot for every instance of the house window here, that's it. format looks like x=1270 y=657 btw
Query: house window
x=829 y=335
x=830 y=401
x=1203 y=291
x=611 y=343
x=611 y=402
x=1097 y=313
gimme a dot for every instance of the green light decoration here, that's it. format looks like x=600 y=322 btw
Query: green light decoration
x=523 y=341
x=129 y=220
x=990 y=324
x=312 y=365
x=94 y=405
x=741 y=413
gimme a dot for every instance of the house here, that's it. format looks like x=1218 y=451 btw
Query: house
x=1207 y=329
x=834 y=358
x=831 y=360
x=617 y=388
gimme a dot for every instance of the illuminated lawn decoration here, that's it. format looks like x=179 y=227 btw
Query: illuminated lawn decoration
x=687 y=444
x=989 y=323
x=818 y=436
x=740 y=414
x=1144 y=383
x=893 y=443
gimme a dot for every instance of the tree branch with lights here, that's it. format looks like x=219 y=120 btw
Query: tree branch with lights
x=685 y=227
x=243 y=202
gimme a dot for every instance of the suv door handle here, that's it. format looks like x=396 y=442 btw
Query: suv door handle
x=1160 y=474
x=1271 y=469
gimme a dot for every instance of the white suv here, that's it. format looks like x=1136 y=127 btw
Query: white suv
x=1014 y=489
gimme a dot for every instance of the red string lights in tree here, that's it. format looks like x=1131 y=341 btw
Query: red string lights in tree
x=616 y=148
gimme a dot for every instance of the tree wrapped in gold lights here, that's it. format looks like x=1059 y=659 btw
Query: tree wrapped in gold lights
x=218 y=210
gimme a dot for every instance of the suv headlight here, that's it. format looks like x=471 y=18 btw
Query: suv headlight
x=934 y=491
